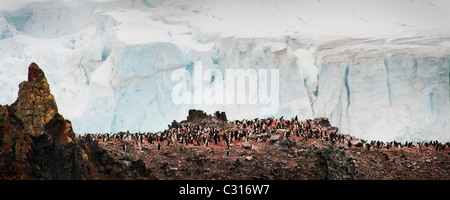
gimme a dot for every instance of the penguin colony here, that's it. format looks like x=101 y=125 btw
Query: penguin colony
x=239 y=131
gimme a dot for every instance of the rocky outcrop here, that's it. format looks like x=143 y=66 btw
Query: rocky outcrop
x=35 y=106
x=196 y=115
x=15 y=146
x=36 y=142
x=220 y=116
x=199 y=116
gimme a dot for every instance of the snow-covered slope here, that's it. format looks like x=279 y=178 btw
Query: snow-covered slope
x=377 y=69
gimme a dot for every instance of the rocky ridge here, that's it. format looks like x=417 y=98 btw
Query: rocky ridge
x=198 y=148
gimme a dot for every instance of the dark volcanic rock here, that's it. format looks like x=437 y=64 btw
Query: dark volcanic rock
x=220 y=115
x=196 y=115
x=199 y=115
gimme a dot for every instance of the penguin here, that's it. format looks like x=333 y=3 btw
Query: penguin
x=368 y=147
x=181 y=140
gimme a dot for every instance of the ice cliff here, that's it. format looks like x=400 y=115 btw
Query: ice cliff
x=388 y=86
x=109 y=63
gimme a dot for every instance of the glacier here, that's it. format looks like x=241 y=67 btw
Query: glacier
x=393 y=90
x=109 y=63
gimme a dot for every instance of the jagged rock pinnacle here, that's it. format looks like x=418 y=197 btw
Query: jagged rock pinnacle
x=34 y=72
x=35 y=105
x=36 y=142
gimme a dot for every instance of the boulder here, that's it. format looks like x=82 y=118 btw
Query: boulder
x=249 y=158
x=275 y=138
x=246 y=145
x=356 y=143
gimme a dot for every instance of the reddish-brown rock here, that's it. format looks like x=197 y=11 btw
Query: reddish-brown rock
x=35 y=106
x=36 y=142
